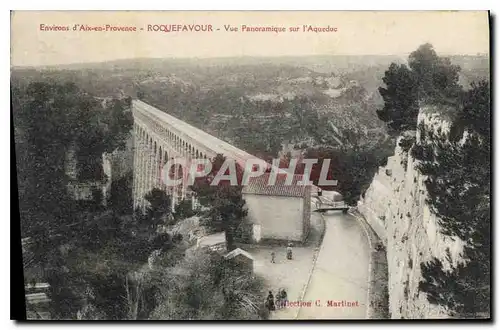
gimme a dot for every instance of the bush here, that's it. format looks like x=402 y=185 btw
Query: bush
x=209 y=290
x=458 y=183
x=184 y=210
x=427 y=77
x=354 y=168
x=407 y=142
x=244 y=233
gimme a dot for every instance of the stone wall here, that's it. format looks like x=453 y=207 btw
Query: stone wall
x=394 y=206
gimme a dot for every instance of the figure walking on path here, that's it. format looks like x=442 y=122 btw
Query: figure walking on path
x=273 y=256
x=284 y=296
x=281 y=298
x=270 y=302
x=289 y=251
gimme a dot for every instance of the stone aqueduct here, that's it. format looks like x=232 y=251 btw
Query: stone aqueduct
x=159 y=137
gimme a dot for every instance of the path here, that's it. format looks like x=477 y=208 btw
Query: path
x=341 y=271
x=292 y=275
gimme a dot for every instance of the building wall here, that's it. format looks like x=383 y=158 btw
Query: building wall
x=280 y=217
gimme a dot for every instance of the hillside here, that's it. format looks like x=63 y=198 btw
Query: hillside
x=258 y=103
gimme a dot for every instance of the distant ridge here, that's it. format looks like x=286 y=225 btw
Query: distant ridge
x=318 y=63
x=242 y=60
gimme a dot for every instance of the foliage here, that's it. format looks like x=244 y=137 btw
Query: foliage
x=103 y=268
x=352 y=168
x=457 y=167
x=120 y=199
x=204 y=287
x=428 y=78
x=184 y=210
x=464 y=290
x=244 y=232
x=406 y=143
x=117 y=121
x=400 y=109
x=458 y=182
x=51 y=119
x=224 y=200
x=475 y=115
x=160 y=205
x=86 y=252
x=437 y=78
x=44 y=118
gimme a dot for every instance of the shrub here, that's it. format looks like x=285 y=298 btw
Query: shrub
x=407 y=142
x=184 y=210
x=458 y=185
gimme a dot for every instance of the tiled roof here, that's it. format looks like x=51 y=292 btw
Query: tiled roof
x=260 y=186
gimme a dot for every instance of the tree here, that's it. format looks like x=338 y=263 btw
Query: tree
x=427 y=78
x=475 y=115
x=352 y=168
x=204 y=287
x=437 y=78
x=184 y=209
x=159 y=206
x=225 y=201
x=120 y=199
x=117 y=120
x=400 y=96
x=48 y=118
x=458 y=170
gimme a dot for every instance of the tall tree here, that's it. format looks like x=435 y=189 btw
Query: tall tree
x=437 y=78
x=458 y=170
x=428 y=78
x=224 y=200
x=160 y=205
x=352 y=168
x=400 y=96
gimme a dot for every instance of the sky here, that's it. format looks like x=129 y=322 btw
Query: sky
x=358 y=33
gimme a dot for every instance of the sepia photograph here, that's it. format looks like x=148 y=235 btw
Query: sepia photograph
x=251 y=165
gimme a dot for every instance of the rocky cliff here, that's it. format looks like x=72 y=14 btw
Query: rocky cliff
x=394 y=205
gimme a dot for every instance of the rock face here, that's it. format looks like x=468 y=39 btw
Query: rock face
x=394 y=205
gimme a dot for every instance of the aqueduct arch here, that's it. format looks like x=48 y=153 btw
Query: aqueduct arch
x=159 y=137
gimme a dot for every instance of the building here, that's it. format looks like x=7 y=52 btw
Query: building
x=278 y=211
x=241 y=259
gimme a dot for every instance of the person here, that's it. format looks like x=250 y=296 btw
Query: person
x=289 y=251
x=270 y=302
x=273 y=255
x=278 y=299
x=284 y=297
